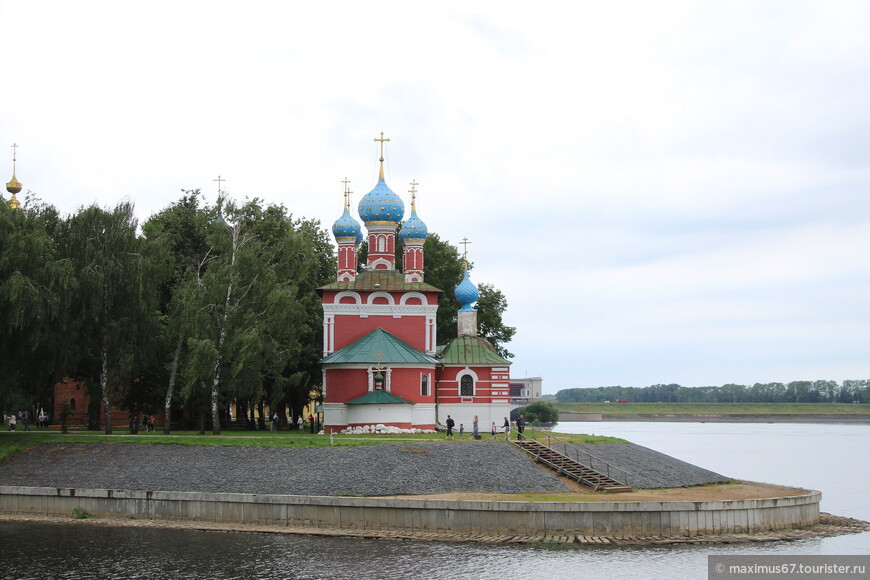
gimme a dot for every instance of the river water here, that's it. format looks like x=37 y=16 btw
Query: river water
x=832 y=458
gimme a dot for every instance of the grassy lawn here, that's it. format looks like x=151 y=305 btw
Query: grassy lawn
x=716 y=408
x=12 y=443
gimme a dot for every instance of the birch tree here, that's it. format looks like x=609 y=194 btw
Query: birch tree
x=105 y=309
x=180 y=231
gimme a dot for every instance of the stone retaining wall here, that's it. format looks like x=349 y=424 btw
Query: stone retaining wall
x=613 y=519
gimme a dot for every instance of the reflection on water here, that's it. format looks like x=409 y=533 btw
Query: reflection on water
x=784 y=454
x=85 y=551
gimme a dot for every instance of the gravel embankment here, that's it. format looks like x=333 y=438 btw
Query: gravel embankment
x=376 y=470
x=647 y=468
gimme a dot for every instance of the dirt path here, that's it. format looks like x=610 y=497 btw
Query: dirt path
x=717 y=492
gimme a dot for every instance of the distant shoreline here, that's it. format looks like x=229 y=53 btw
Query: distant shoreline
x=572 y=417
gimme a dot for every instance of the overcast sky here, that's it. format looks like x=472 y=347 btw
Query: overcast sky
x=665 y=192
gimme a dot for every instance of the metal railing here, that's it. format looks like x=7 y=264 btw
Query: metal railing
x=592 y=459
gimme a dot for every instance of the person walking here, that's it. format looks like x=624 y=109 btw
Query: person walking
x=493 y=431
x=461 y=430
x=301 y=423
x=475 y=434
x=507 y=428
x=450 y=423
x=274 y=421
x=521 y=426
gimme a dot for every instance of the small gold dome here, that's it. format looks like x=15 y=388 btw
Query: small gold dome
x=13 y=186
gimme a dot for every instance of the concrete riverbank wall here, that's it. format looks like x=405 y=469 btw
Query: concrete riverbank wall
x=611 y=519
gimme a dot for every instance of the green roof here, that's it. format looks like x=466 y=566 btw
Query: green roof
x=379 y=398
x=467 y=350
x=386 y=280
x=392 y=350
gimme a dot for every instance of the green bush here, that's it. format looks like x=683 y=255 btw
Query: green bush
x=539 y=412
x=80 y=513
x=65 y=414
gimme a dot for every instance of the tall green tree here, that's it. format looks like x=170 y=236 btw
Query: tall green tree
x=179 y=233
x=112 y=297
x=491 y=305
x=253 y=302
x=444 y=269
x=34 y=285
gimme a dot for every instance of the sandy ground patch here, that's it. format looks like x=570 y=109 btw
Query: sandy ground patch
x=717 y=492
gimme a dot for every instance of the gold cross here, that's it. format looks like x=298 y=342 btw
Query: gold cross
x=465 y=243
x=413 y=192
x=379 y=355
x=382 y=144
x=219 y=180
x=347 y=193
x=14 y=151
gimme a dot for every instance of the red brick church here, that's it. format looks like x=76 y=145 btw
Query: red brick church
x=381 y=363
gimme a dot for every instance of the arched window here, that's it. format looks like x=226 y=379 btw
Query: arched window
x=466 y=386
x=382 y=244
x=72 y=404
x=424 y=386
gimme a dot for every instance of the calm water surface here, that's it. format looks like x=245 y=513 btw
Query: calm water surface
x=832 y=458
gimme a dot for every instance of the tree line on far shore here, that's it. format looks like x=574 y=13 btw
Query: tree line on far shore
x=202 y=308
x=849 y=391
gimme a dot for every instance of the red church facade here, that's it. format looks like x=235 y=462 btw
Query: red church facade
x=381 y=362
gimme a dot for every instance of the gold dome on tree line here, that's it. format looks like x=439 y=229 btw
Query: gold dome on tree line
x=14 y=186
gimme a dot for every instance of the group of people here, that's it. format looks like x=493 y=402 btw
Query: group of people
x=300 y=422
x=148 y=422
x=25 y=418
x=493 y=429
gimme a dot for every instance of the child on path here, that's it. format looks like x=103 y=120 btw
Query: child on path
x=493 y=431
x=461 y=429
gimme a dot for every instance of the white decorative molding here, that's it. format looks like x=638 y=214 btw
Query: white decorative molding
x=419 y=295
x=394 y=310
x=357 y=299
x=370 y=300
x=383 y=263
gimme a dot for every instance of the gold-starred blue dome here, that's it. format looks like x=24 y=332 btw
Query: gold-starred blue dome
x=347 y=227
x=381 y=205
x=413 y=228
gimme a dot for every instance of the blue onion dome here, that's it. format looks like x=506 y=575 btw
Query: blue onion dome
x=347 y=227
x=413 y=228
x=466 y=293
x=381 y=205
